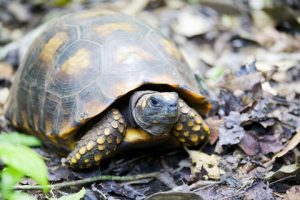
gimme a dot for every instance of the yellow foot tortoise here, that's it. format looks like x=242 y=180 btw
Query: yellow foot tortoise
x=95 y=80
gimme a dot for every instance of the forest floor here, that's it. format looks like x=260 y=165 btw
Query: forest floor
x=246 y=58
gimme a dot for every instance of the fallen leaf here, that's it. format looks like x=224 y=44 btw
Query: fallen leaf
x=291 y=145
x=207 y=162
x=175 y=196
x=76 y=196
x=292 y=170
x=214 y=125
x=249 y=145
x=231 y=132
x=293 y=193
x=259 y=191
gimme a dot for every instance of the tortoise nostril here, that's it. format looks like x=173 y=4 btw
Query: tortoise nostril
x=174 y=105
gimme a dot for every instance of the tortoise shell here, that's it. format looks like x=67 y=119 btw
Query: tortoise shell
x=84 y=62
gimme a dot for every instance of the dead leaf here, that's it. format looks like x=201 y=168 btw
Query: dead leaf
x=249 y=145
x=175 y=196
x=291 y=145
x=292 y=170
x=293 y=193
x=231 y=132
x=207 y=162
x=259 y=191
x=214 y=125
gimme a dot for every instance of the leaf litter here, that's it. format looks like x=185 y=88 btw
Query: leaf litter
x=246 y=57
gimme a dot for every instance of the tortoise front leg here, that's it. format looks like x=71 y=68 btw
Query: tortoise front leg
x=190 y=129
x=99 y=142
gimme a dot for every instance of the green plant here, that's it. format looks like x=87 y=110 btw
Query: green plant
x=19 y=161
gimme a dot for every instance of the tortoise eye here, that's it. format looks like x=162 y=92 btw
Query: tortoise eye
x=154 y=101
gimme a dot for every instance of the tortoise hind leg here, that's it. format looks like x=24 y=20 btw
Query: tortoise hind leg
x=190 y=129
x=99 y=142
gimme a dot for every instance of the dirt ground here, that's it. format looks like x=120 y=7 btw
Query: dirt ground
x=245 y=56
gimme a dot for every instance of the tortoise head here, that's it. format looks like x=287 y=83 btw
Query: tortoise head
x=155 y=112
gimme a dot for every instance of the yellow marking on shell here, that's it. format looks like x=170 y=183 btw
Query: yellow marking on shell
x=116 y=116
x=48 y=126
x=194 y=138
x=198 y=120
x=78 y=63
x=97 y=157
x=82 y=150
x=14 y=119
x=178 y=126
x=86 y=160
x=92 y=108
x=196 y=127
x=115 y=111
x=51 y=136
x=131 y=54
x=133 y=135
x=114 y=124
x=50 y=49
x=176 y=133
x=186 y=133
x=185 y=110
x=108 y=29
x=101 y=147
x=106 y=131
x=25 y=120
x=36 y=122
x=190 y=123
x=73 y=160
x=171 y=49
x=90 y=145
x=110 y=140
x=202 y=137
x=107 y=152
x=77 y=155
x=181 y=139
x=67 y=129
x=101 y=140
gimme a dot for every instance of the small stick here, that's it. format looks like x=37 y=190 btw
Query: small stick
x=86 y=181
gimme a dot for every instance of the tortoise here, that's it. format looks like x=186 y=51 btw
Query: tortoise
x=95 y=80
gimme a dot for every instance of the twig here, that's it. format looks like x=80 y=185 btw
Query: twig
x=86 y=181
x=282 y=179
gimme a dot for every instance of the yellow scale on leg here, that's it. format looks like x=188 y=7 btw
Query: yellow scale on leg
x=99 y=142
x=190 y=129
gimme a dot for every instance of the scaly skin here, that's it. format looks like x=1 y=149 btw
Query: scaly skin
x=190 y=129
x=99 y=142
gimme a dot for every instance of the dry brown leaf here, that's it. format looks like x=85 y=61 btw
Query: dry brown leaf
x=291 y=145
x=293 y=193
x=214 y=125
x=207 y=162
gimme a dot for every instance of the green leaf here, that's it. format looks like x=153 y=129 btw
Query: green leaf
x=20 y=196
x=18 y=138
x=9 y=177
x=25 y=160
x=76 y=196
